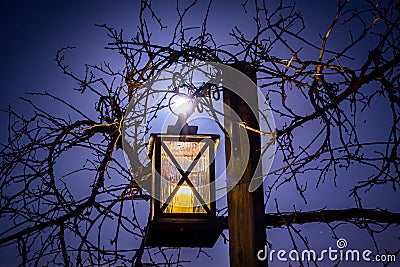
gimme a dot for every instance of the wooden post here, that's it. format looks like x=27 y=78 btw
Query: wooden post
x=246 y=220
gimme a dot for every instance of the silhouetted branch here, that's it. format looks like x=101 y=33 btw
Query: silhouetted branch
x=328 y=216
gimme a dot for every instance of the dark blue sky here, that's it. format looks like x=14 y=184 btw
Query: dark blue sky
x=32 y=31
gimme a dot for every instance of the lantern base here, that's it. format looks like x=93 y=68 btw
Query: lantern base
x=183 y=232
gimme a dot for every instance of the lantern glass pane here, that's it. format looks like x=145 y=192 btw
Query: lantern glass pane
x=185 y=200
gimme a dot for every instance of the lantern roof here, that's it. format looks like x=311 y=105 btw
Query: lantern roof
x=180 y=138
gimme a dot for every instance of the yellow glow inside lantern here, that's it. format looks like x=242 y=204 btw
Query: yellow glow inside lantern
x=183 y=201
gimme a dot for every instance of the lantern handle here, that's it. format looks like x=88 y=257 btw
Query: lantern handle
x=181 y=127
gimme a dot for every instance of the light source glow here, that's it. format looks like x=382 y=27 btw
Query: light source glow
x=181 y=104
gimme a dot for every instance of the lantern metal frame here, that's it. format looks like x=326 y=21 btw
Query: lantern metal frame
x=182 y=229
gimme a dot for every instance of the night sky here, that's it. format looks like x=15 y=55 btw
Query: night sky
x=33 y=31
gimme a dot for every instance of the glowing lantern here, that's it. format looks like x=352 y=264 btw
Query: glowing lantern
x=182 y=213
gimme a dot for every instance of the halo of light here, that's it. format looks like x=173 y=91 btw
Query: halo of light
x=181 y=103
